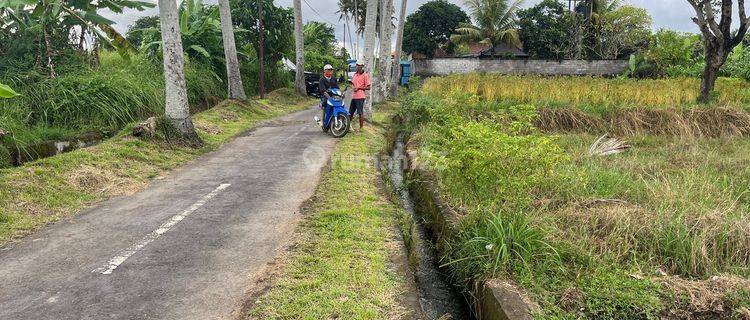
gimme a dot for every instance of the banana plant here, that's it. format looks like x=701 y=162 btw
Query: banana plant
x=47 y=17
x=200 y=28
x=6 y=92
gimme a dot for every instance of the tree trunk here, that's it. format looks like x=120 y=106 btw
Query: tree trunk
x=299 y=49
x=370 y=24
x=396 y=66
x=710 y=73
x=385 y=49
x=714 y=61
x=177 y=109
x=50 y=54
x=234 y=77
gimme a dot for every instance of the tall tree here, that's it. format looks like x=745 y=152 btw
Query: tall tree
x=718 y=38
x=386 y=46
x=320 y=37
x=396 y=65
x=496 y=23
x=432 y=25
x=545 y=30
x=370 y=24
x=177 y=109
x=299 y=49
x=234 y=78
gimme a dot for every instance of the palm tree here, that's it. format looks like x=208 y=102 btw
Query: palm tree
x=396 y=67
x=177 y=109
x=496 y=24
x=384 y=63
x=370 y=24
x=234 y=78
x=299 y=49
x=595 y=8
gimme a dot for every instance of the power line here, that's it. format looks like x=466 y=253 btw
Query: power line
x=318 y=13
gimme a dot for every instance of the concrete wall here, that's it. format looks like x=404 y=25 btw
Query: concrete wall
x=446 y=66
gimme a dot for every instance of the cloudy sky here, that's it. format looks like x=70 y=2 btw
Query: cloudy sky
x=673 y=14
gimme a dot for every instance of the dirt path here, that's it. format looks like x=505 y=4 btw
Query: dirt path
x=181 y=249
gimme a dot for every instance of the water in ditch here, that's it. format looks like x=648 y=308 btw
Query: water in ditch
x=437 y=297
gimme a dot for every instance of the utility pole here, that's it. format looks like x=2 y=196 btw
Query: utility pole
x=261 y=53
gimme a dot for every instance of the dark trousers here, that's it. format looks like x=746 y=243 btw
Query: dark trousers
x=358 y=106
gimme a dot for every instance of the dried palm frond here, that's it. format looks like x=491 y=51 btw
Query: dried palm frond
x=606 y=145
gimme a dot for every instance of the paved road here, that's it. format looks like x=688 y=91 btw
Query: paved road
x=181 y=249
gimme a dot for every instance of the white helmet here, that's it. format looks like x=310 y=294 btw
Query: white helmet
x=328 y=67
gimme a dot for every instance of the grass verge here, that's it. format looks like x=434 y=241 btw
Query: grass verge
x=49 y=189
x=341 y=267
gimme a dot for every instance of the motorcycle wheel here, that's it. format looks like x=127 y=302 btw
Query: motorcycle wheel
x=341 y=127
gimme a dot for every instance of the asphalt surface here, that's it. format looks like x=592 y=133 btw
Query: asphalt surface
x=183 y=248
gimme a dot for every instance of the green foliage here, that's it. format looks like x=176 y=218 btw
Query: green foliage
x=136 y=30
x=503 y=156
x=675 y=54
x=545 y=30
x=50 y=26
x=278 y=23
x=320 y=47
x=621 y=32
x=100 y=99
x=616 y=295
x=738 y=62
x=201 y=35
x=495 y=245
x=314 y=61
x=496 y=24
x=319 y=37
x=6 y=92
x=432 y=25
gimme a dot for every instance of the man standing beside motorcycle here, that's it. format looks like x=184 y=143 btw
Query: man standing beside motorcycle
x=361 y=84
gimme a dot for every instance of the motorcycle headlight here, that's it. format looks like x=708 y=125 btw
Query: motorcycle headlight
x=337 y=98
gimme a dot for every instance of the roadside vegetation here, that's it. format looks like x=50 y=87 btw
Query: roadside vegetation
x=342 y=263
x=659 y=230
x=52 y=188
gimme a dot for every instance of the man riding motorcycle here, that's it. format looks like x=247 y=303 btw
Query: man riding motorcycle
x=327 y=81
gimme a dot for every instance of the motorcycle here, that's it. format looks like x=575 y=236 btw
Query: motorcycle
x=336 y=115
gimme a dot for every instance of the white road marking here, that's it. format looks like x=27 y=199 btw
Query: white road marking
x=117 y=260
x=296 y=133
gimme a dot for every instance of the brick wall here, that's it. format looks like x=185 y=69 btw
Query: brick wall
x=446 y=66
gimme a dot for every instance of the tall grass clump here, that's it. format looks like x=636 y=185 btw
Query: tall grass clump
x=100 y=99
x=498 y=245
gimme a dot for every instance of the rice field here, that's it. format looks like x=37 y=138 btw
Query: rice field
x=587 y=92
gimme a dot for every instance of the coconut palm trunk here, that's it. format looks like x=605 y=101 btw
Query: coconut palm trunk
x=384 y=56
x=234 y=78
x=299 y=49
x=177 y=109
x=396 y=65
x=370 y=25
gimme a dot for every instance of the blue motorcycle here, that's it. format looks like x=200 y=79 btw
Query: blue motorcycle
x=336 y=115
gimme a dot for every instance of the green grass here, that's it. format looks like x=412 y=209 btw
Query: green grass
x=341 y=267
x=49 y=189
x=587 y=237
x=102 y=99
